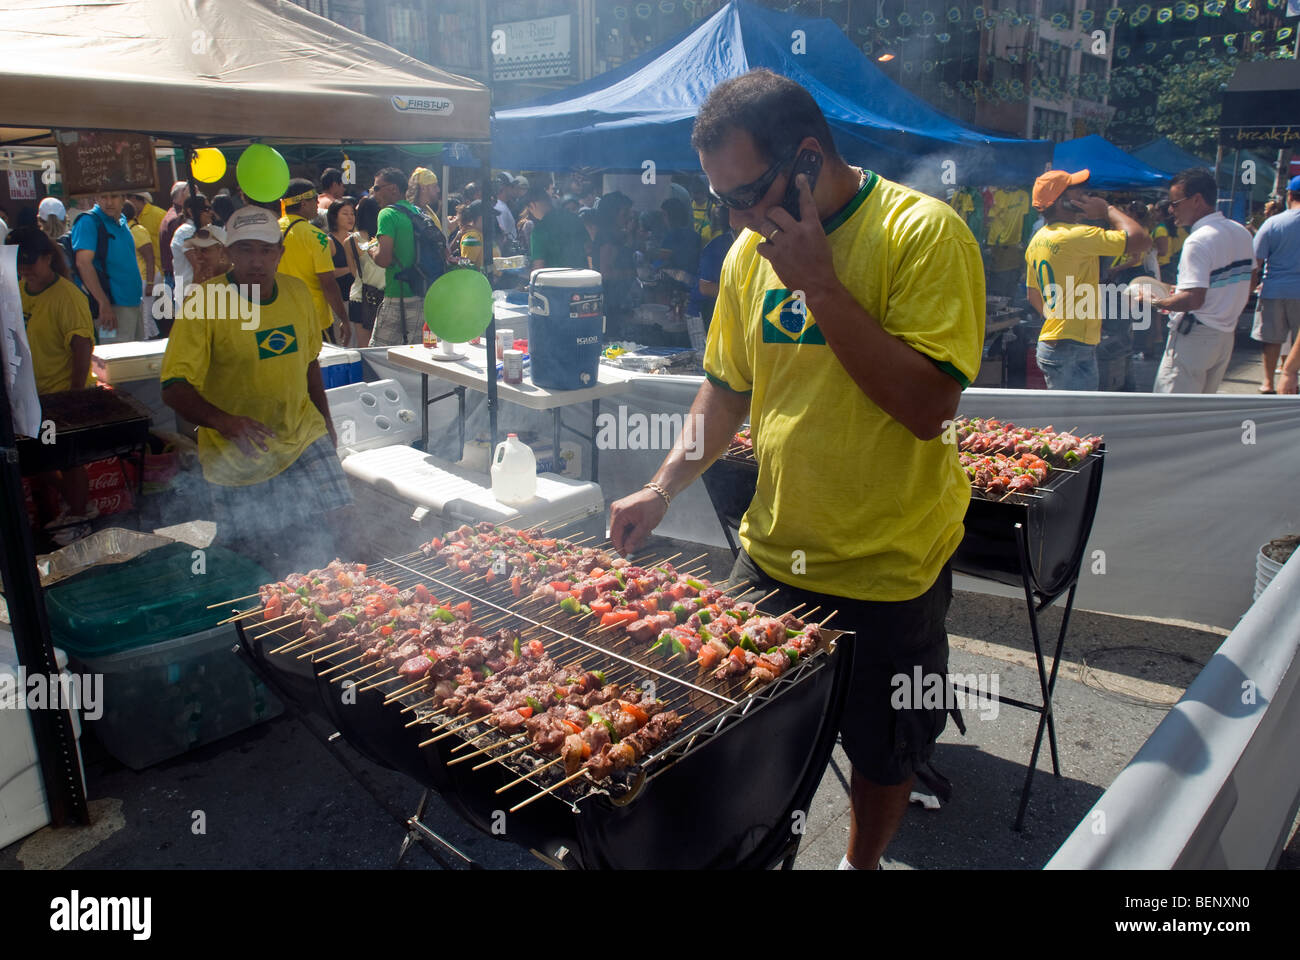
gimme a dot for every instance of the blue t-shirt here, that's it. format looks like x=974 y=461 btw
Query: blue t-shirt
x=715 y=251
x=1277 y=249
x=126 y=286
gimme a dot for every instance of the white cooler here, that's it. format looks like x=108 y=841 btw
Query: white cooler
x=368 y=415
x=406 y=498
x=23 y=808
x=119 y=363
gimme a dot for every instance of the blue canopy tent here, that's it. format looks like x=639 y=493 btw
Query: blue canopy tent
x=1164 y=154
x=1110 y=167
x=645 y=109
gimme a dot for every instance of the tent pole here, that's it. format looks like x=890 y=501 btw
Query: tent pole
x=446 y=188
x=490 y=343
x=56 y=744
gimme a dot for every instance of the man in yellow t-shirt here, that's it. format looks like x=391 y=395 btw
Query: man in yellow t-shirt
x=847 y=335
x=60 y=332
x=149 y=217
x=307 y=257
x=1063 y=279
x=241 y=363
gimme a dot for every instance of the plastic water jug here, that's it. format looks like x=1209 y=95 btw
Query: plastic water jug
x=514 y=471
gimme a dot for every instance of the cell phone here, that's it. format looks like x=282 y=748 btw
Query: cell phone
x=808 y=163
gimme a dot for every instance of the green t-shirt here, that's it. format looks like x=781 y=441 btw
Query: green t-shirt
x=560 y=240
x=393 y=223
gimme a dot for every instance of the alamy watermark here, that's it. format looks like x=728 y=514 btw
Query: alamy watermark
x=41 y=691
x=939 y=691
x=213 y=301
x=1088 y=301
x=654 y=431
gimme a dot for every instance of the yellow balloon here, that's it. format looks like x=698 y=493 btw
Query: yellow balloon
x=208 y=165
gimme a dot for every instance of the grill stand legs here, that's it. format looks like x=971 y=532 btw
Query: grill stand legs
x=1035 y=603
x=441 y=850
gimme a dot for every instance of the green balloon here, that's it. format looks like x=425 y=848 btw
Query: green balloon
x=458 y=306
x=262 y=173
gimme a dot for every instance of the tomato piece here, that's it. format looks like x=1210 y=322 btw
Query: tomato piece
x=463 y=566
x=650 y=604
x=586 y=750
x=738 y=653
x=525 y=712
x=618 y=616
x=274 y=607
x=561 y=693
x=561 y=586
x=572 y=726
x=516 y=585
x=636 y=712
x=489 y=578
x=422 y=594
x=601 y=607
x=535 y=648
x=463 y=607
x=386 y=630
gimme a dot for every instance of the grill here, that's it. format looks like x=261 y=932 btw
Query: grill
x=763 y=748
x=1035 y=541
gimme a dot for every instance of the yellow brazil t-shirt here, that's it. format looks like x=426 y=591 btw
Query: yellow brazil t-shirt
x=151 y=219
x=140 y=237
x=1160 y=230
x=1063 y=265
x=307 y=253
x=849 y=502
x=53 y=317
x=259 y=372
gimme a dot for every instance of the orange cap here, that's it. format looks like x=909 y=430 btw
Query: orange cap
x=1052 y=184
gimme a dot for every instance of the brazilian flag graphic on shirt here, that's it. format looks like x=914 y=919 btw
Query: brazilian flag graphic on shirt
x=787 y=319
x=276 y=342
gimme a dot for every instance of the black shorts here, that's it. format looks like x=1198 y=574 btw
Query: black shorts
x=886 y=732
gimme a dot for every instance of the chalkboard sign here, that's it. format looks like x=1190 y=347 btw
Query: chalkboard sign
x=95 y=162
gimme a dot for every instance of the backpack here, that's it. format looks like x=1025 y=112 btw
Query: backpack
x=430 y=253
x=100 y=262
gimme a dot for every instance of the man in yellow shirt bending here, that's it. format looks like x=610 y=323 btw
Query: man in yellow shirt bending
x=241 y=363
x=1063 y=280
x=847 y=335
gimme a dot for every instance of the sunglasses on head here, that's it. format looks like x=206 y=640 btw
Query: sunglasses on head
x=747 y=196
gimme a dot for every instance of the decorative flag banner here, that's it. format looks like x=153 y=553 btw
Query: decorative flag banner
x=1242 y=6
x=1060 y=21
x=954 y=14
x=1164 y=15
x=904 y=19
x=1085 y=18
x=928 y=18
x=882 y=22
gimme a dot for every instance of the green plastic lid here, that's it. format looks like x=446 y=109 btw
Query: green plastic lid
x=160 y=595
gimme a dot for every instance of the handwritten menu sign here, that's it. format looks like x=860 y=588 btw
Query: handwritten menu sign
x=94 y=162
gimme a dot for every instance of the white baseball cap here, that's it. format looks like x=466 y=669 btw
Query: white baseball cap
x=52 y=207
x=252 y=223
x=178 y=186
x=207 y=237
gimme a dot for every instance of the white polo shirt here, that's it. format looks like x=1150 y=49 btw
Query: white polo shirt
x=1218 y=256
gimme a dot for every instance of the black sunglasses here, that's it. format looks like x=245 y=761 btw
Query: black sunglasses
x=746 y=196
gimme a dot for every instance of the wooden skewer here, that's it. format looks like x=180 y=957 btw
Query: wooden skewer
x=752 y=681
x=764 y=597
x=744 y=584
x=286 y=647
x=213 y=606
x=504 y=756
x=425 y=718
x=373 y=681
x=482 y=750
x=353 y=672
x=416 y=706
x=243 y=615
x=490 y=730
x=389 y=698
x=551 y=789
x=549 y=763
x=340 y=666
x=827 y=618
x=464 y=726
x=328 y=646
x=791 y=610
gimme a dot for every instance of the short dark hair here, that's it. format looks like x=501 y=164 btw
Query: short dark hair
x=128 y=210
x=537 y=194
x=332 y=212
x=33 y=243
x=472 y=211
x=774 y=110
x=1293 y=196
x=223 y=206
x=330 y=176
x=194 y=206
x=368 y=216
x=394 y=176
x=1197 y=180
x=675 y=210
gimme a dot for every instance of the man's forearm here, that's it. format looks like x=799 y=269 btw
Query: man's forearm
x=1182 y=300
x=901 y=381
x=90 y=279
x=335 y=300
x=189 y=403
x=718 y=412
x=1139 y=241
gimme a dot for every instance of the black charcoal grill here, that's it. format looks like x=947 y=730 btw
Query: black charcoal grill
x=722 y=792
x=89 y=425
x=1035 y=541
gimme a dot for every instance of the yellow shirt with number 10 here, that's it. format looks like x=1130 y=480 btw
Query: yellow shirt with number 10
x=1063 y=265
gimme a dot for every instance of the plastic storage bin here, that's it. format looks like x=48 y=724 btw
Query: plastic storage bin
x=171 y=680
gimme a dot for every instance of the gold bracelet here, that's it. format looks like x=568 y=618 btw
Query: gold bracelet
x=659 y=490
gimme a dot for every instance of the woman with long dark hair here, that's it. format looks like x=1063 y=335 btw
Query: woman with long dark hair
x=367 y=291
x=341 y=220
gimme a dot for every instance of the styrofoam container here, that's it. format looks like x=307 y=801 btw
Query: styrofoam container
x=118 y=363
x=406 y=497
x=23 y=806
x=370 y=415
x=166 y=698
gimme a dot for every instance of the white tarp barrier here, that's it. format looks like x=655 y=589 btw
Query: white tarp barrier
x=1216 y=784
x=1193 y=484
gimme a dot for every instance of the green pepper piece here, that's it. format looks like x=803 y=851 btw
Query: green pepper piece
x=443 y=614
x=570 y=605
x=516 y=647
x=747 y=644
x=621 y=582
x=349 y=617
x=319 y=613
x=302 y=591
x=791 y=632
x=705 y=617
x=793 y=654
x=692 y=582
x=487 y=671
x=678 y=646
x=680 y=612
x=585 y=609
x=609 y=725
x=537 y=707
